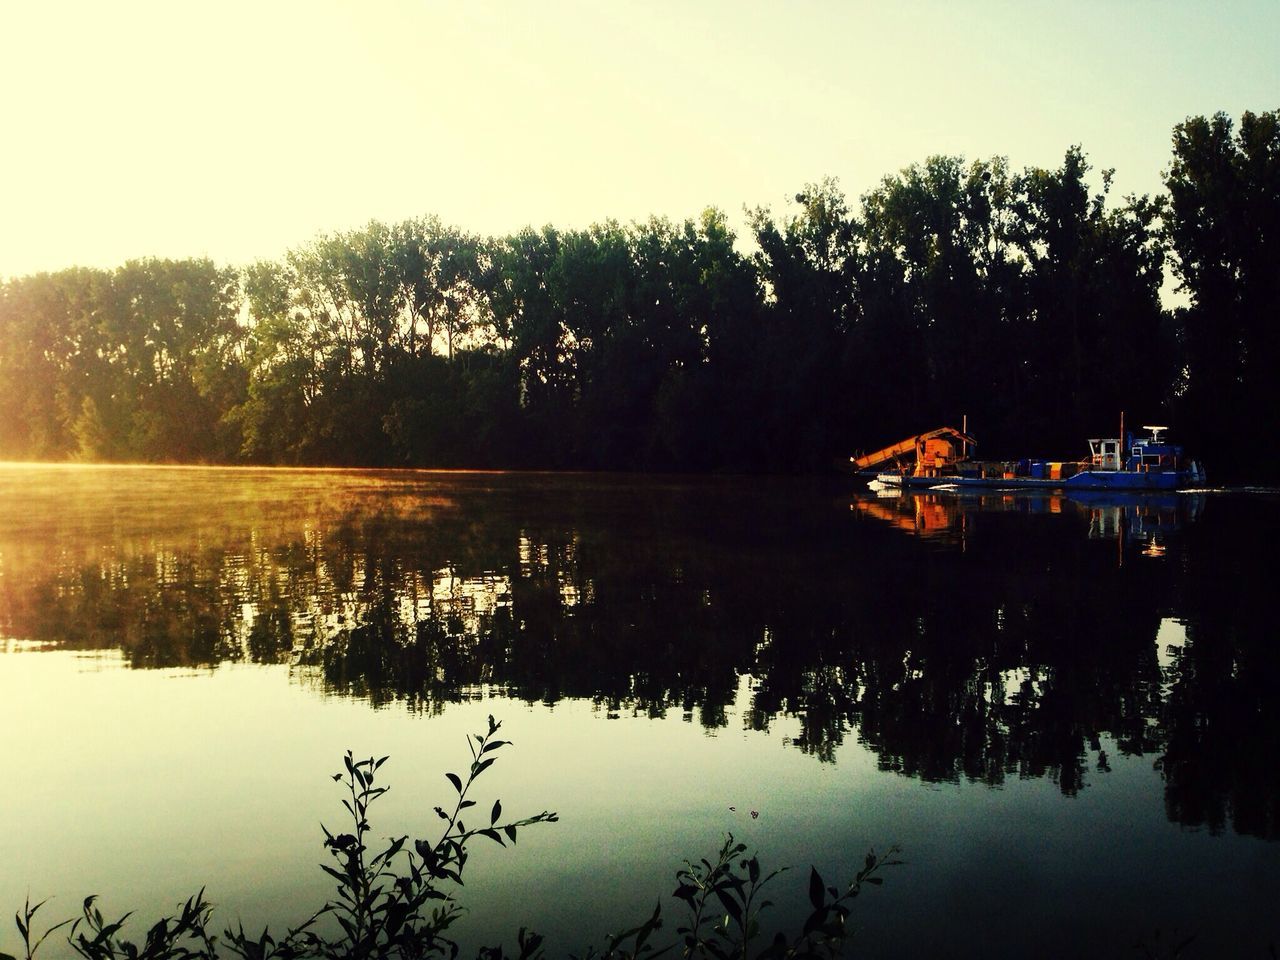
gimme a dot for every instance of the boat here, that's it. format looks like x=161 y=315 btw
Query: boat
x=941 y=458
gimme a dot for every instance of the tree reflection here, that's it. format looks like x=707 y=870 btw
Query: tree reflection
x=1006 y=644
x=1221 y=718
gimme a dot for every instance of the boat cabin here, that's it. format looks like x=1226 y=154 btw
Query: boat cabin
x=1142 y=455
x=1104 y=454
x=1154 y=453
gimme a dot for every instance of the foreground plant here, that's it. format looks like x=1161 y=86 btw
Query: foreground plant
x=399 y=901
x=723 y=902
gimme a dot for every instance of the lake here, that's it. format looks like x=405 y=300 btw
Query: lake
x=1063 y=711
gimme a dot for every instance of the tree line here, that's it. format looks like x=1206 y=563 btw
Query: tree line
x=1029 y=300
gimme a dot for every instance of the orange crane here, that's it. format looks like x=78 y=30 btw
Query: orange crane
x=936 y=452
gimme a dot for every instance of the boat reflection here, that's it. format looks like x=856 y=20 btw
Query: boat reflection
x=922 y=514
x=1142 y=522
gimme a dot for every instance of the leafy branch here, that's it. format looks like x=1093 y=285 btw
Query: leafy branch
x=724 y=902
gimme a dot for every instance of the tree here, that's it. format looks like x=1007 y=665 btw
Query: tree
x=174 y=324
x=1097 y=344
x=526 y=312
x=139 y=363
x=939 y=299
x=285 y=361
x=1224 y=229
x=805 y=264
x=42 y=329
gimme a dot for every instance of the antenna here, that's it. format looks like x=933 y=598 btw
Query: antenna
x=1155 y=432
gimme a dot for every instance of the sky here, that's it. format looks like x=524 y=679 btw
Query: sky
x=236 y=130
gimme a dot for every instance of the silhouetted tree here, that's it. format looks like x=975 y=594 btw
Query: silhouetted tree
x=1224 y=230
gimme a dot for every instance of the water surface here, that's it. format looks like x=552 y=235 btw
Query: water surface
x=1063 y=710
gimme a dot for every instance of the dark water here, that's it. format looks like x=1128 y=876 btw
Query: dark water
x=1065 y=712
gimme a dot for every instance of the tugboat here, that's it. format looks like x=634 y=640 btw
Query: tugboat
x=940 y=458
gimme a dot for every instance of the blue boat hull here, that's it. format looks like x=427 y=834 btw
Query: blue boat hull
x=1115 y=480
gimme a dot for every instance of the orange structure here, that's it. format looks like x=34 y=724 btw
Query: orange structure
x=936 y=453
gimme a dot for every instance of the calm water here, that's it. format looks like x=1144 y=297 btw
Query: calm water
x=1065 y=713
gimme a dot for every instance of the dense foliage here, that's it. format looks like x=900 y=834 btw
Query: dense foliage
x=1028 y=300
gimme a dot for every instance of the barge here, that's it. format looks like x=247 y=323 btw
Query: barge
x=941 y=458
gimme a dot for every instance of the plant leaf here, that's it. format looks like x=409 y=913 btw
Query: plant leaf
x=816 y=889
x=730 y=904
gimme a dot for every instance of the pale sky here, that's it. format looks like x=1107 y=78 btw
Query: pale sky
x=239 y=129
